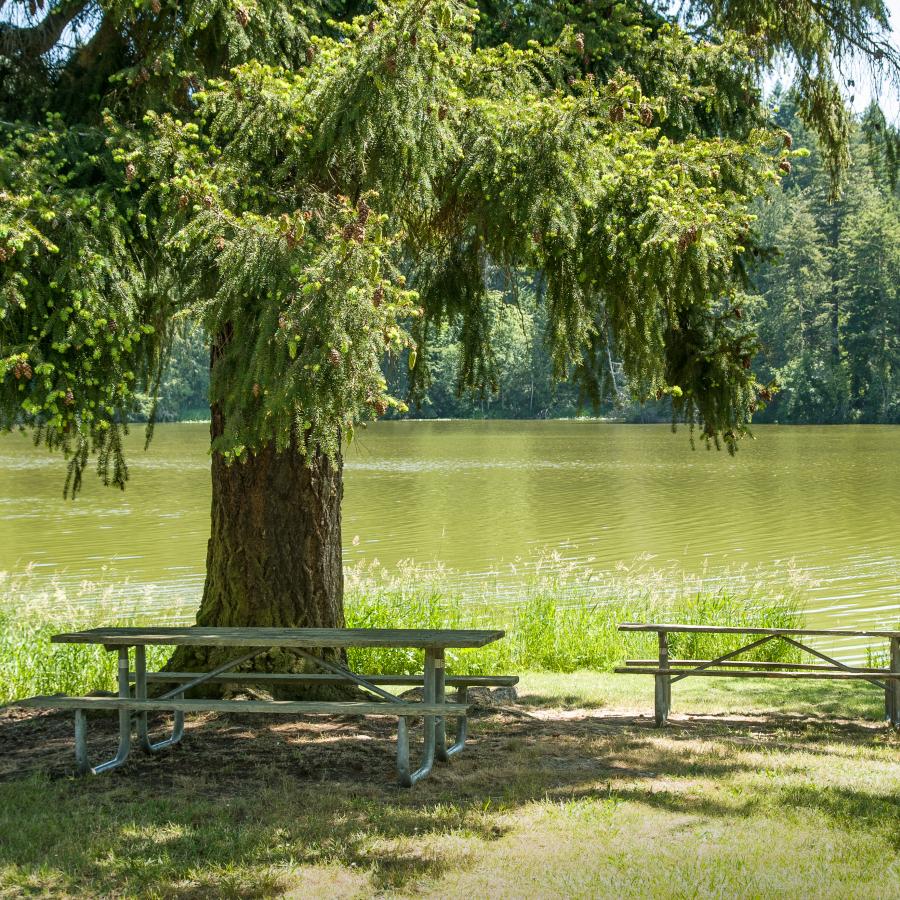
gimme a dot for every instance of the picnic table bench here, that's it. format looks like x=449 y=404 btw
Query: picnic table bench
x=133 y=700
x=667 y=670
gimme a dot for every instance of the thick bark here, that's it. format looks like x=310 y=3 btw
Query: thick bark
x=274 y=553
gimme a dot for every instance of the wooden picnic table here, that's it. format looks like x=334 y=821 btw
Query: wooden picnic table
x=667 y=670
x=433 y=707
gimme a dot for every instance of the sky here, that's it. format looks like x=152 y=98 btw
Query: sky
x=865 y=89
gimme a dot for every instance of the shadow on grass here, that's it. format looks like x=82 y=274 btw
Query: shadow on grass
x=246 y=802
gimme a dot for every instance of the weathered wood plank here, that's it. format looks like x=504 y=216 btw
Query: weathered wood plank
x=322 y=678
x=750 y=664
x=716 y=629
x=744 y=673
x=420 y=638
x=294 y=707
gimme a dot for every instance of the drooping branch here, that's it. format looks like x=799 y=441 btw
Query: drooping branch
x=35 y=40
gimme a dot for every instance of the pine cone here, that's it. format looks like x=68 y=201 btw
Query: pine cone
x=378 y=296
x=334 y=357
x=579 y=42
x=371 y=26
x=785 y=166
x=242 y=16
x=788 y=140
x=113 y=326
x=130 y=172
x=363 y=212
x=380 y=407
x=282 y=322
x=255 y=389
x=391 y=64
x=220 y=243
x=617 y=114
x=353 y=231
x=4 y=254
x=646 y=116
x=688 y=237
x=183 y=201
x=156 y=6
x=442 y=113
x=310 y=54
x=746 y=360
x=208 y=202
x=414 y=39
x=70 y=397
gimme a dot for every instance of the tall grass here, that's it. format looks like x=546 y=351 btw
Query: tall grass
x=563 y=619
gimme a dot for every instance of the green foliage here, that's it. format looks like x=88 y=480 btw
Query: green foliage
x=561 y=623
x=319 y=193
x=830 y=312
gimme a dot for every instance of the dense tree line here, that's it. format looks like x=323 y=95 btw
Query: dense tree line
x=824 y=292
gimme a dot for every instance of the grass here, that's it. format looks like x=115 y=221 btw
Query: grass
x=561 y=622
x=570 y=793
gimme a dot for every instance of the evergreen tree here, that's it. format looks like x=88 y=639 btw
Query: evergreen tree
x=318 y=193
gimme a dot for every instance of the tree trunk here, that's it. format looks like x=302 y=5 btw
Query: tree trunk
x=274 y=553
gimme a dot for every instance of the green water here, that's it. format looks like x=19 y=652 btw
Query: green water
x=488 y=499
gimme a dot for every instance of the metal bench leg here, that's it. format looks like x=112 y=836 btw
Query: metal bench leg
x=892 y=687
x=81 y=751
x=405 y=776
x=140 y=692
x=462 y=730
x=663 y=684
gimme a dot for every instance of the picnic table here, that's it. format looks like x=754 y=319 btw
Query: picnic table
x=667 y=670
x=133 y=700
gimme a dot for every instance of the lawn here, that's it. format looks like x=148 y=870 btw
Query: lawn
x=755 y=789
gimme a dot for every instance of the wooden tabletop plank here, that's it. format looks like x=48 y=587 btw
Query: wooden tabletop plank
x=421 y=638
x=715 y=629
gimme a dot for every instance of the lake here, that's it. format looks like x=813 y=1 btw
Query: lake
x=489 y=500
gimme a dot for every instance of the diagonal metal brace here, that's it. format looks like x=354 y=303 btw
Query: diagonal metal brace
x=829 y=659
x=722 y=658
x=350 y=676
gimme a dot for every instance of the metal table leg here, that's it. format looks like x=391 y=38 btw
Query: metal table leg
x=81 y=752
x=407 y=778
x=140 y=692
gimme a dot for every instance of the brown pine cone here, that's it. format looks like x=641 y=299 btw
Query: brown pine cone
x=378 y=296
x=70 y=397
x=130 y=172
x=579 y=42
x=617 y=114
x=334 y=357
x=242 y=16
x=785 y=166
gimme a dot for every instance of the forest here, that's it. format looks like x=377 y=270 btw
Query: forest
x=824 y=294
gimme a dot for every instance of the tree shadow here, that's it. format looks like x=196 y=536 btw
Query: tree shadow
x=262 y=797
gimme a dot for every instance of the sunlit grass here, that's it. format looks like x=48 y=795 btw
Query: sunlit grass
x=563 y=620
x=760 y=794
